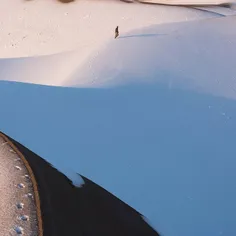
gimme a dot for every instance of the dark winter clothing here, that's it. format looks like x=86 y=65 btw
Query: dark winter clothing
x=116 y=32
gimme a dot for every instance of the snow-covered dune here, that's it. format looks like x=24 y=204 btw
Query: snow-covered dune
x=199 y=56
x=155 y=113
x=79 y=67
x=42 y=27
x=57 y=69
x=28 y=34
x=152 y=116
x=167 y=153
x=72 y=36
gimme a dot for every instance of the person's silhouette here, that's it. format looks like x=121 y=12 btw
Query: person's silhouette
x=116 y=32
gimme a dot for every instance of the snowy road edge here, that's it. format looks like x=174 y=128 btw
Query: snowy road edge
x=34 y=182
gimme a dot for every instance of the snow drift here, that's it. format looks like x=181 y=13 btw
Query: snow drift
x=152 y=119
x=199 y=56
x=54 y=32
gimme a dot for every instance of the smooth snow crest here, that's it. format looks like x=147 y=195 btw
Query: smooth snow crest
x=151 y=115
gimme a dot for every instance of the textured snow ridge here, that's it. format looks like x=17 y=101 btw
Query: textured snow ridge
x=26 y=32
x=48 y=48
x=187 y=55
x=17 y=214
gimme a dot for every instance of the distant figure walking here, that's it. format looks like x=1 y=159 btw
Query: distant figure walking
x=116 y=32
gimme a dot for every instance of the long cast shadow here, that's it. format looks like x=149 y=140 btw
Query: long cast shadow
x=141 y=35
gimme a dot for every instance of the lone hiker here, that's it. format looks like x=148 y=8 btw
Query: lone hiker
x=116 y=32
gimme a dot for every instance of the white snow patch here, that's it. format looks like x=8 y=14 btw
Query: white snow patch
x=76 y=179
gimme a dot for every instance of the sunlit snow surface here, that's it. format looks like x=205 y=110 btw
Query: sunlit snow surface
x=198 y=56
x=152 y=117
x=44 y=27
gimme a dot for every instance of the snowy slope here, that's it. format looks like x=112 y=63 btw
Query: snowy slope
x=199 y=55
x=54 y=32
x=157 y=130
x=152 y=119
x=43 y=27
